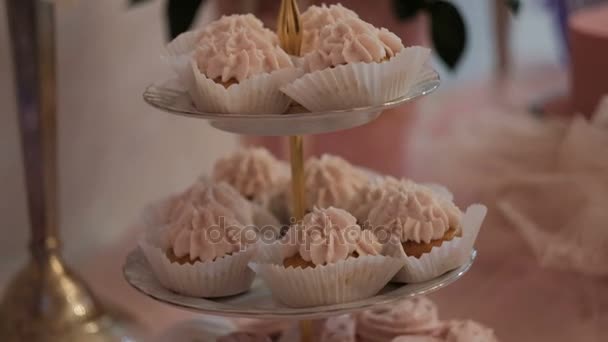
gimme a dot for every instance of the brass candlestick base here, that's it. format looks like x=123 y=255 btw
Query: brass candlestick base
x=47 y=302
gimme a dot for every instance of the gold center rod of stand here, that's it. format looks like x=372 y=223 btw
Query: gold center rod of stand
x=290 y=36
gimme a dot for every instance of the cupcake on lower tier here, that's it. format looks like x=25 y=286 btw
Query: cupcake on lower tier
x=354 y=64
x=203 y=253
x=330 y=181
x=431 y=232
x=257 y=175
x=413 y=317
x=325 y=260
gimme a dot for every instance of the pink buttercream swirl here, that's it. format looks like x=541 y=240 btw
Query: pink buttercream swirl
x=352 y=40
x=468 y=331
x=411 y=316
x=235 y=22
x=315 y=18
x=205 y=192
x=326 y=236
x=331 y=181
x=239 y=47
x=204 y=232
x=412 y=212
x=254 y=172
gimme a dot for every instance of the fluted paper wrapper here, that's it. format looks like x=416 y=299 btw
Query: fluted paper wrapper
x=360 y=84
x=256 y=95
x=450 y=255
x=344 y=281
x=178 y=53
x=224 y=276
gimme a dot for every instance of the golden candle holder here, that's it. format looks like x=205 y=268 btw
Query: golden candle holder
x=46 y=301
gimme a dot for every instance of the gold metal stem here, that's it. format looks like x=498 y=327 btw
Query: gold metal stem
x=297 y=175
x=289 y=31
x=45 y=301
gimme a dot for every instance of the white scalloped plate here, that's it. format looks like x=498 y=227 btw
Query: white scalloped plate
x=258 y=302
x=169 y=96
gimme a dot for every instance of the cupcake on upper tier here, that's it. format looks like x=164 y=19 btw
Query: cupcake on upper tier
x=324 y=260
x=354 y=64
x=315 y=18
x=233 y=66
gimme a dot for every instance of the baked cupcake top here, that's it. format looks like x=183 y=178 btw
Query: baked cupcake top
x=352 y=40
x=254 y=172
x=234 y=22
x=244 y=337
x=413 y=212
x=205 y=192
x=331 y=181
x=238 y=55
x=326 y=236
x=339 y=329
x=315 y=18
x=468 y=331
x=411 y=316
x=203 y=232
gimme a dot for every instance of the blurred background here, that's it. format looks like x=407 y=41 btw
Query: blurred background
x=116 y=153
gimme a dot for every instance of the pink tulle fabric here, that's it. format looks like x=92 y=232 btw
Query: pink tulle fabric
x=543 y=257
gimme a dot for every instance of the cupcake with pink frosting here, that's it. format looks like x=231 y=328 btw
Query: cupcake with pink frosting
x=315 y=18
x=424 y=226
x=326 y=259
x=254 y=172
x=199 y=243
x=350 y=63
x=417 y=317
x=330 y=181
x=234 y=65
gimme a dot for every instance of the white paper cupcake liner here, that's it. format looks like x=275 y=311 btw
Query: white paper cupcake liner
x=450 y=255
x=177 y=55
x=360 y=84
x=226 y=276
x=256 y=95
x=344 y=281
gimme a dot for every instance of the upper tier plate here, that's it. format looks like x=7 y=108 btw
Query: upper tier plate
x=172 y=98
x=258 y=303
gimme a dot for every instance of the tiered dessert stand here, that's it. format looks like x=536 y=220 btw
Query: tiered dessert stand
x=257 y=302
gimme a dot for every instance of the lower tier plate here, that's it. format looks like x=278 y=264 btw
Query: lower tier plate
x=258 y=302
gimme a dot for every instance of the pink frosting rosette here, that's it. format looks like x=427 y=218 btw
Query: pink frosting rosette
x=350 y=63
x=467 y=331
x=342 y=262
x=199 y=243
x=234 y=65
x=339 y=329
x=416 y=316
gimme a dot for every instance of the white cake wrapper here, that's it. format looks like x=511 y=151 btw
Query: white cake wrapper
x=226 y=276
x=450 y=255
x=259 y=94
x=345 y=281
x=359 y=84
x=178 y=54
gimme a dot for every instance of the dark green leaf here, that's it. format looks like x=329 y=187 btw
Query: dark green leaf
x=514 y=6
x=136 y=2
x=406 y=9
x=181 y=14
x=447 y=31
